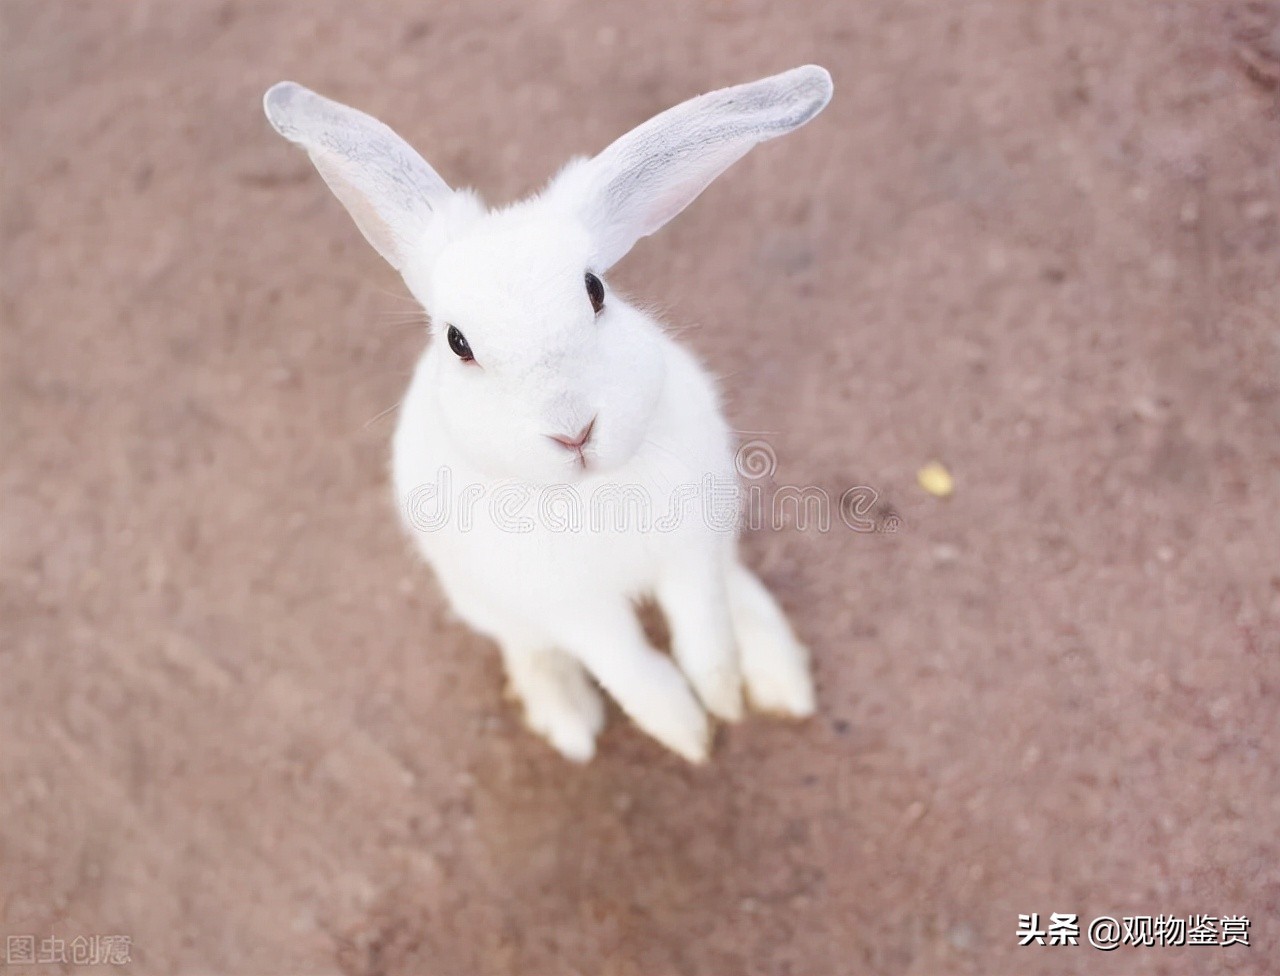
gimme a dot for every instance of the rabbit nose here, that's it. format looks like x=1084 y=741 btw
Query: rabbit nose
x=578 y=442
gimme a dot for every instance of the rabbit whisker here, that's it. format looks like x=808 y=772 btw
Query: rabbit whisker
x=381 y=415
x=396 y=296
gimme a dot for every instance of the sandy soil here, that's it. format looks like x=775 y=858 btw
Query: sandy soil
x=1037 y=241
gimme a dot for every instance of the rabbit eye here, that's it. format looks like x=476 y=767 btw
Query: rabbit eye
x=595 y=291
x=458 y=343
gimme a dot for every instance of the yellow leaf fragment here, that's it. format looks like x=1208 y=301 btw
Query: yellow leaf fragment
x=936 y=480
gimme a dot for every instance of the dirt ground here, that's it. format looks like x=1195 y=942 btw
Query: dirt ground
x=1038 y=241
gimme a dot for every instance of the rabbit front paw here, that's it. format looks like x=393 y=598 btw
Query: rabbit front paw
x=560 y=702
x=777 y=675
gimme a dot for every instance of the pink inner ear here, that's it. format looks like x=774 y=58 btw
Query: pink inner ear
x=675 y=197
x=372 y=225
x=669 y=204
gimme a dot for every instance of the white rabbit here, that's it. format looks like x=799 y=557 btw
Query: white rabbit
x=544 y=397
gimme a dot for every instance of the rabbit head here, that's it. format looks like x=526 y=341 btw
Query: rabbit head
x=541 y=373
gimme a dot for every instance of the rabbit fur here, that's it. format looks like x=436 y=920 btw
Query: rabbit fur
x=545 y=404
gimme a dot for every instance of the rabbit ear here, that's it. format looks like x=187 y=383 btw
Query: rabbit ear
x=656 y=170
x=387 y=188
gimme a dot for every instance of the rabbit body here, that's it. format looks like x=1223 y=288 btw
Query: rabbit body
x=565 y=457
x=556 y=600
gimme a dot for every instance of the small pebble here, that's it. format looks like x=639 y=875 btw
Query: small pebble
x=944 y=554
x=1147 y=408
x=1258 y=210
x=961 y=936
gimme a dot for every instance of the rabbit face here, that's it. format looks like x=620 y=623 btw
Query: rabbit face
x=542 y=386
